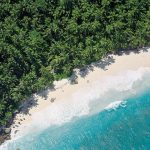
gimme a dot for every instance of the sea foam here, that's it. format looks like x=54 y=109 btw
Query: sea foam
x=95 y=97
x=115 y=105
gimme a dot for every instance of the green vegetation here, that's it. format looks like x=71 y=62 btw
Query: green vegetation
x=43 y=40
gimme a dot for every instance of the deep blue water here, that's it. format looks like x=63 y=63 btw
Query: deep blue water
x=121 y=129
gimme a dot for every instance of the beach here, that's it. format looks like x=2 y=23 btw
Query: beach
x=64 y=91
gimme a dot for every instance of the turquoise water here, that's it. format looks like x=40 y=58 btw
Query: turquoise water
x=124 y=128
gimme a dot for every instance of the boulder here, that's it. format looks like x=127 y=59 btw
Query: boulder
x=74 y=82
x=73 y=79
x=7 y=130
x=16 y=112
x=53 y=99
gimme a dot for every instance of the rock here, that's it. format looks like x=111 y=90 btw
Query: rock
x=73 y=79
x=16 y=112
x=7 y=130
x=74 y=82
x=1 y=129
x=16 y=131
x=31 y=103
x=4 y=137
x=53 y=99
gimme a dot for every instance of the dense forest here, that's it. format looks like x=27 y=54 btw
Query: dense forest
x=43 y=40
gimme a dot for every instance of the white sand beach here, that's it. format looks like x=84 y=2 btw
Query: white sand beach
x=64 y=91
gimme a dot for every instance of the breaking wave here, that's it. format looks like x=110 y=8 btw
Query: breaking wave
x=106 y=94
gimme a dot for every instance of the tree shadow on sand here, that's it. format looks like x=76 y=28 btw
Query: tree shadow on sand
x=131 y=50
x=108 y=60
x=83 y=72
x=32 y=101
x=100 y=64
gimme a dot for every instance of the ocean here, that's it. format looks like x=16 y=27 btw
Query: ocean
x=122 y=123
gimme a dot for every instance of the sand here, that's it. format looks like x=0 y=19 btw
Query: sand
x=111 y=65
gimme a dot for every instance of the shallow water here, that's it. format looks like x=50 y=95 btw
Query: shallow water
x=125 y=125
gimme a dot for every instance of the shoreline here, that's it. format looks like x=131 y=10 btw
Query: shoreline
x=63 y=91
